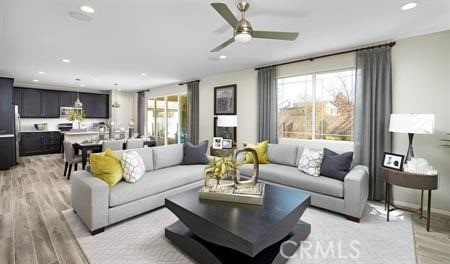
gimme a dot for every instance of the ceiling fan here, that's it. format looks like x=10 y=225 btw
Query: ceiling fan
x=243 y=31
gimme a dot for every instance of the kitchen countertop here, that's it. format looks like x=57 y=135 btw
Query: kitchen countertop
x=83 y=132
x=34 y=131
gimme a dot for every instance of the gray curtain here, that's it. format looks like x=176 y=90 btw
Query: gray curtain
x=267 y=105
x=193 y=111
x=373 y=106
x=141 y=113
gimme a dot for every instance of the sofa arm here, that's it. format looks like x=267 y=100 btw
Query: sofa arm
x=90 y=199
x=356 y=191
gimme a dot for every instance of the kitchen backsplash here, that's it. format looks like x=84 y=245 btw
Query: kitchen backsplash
x=27 y=124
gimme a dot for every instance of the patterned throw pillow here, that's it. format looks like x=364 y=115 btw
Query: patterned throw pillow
x=132 y=165
x=310 y=161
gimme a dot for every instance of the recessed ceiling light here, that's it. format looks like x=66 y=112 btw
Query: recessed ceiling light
x=41 y=72
x=222 y=57
x=35 y=80
x=65 y=60
x=409 y=6
x=96 y=79
x=87 y=9
x=144 y=74
x=82 y=85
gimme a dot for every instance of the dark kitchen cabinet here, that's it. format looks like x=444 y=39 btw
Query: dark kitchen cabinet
x=17 y=98
x=35 y=103
x=67 y=99
x=95 y=105
x=31 y=143
x=6 y=109
x=50 y=104
x=32 y=103
x=37 y=143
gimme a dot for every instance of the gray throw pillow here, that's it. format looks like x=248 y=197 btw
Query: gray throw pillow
x=336 y=165
x=195 y=154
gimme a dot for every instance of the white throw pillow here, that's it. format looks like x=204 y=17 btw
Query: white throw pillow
x=310 y=161
x=132 y=165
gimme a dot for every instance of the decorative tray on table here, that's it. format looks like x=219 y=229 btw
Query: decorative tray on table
x=247 y=195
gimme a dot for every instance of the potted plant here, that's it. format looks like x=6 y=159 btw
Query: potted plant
x=76 y=116
x=218 y=168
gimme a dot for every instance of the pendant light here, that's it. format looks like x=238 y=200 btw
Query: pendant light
x=78 y=103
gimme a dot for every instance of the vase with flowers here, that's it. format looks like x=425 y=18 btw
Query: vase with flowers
x=76 y=116
x=218 y=169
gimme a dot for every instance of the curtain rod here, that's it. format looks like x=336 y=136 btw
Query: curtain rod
x=183 y=83
x=390 y=44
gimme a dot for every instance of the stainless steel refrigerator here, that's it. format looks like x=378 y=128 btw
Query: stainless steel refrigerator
x=17 y=131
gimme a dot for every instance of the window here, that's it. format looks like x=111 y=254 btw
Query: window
x=167 y=119
x=317 y=106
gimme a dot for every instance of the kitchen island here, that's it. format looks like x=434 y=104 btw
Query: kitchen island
x=79 y=136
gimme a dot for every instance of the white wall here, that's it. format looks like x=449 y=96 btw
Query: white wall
x=421 y=84
x=127 y=109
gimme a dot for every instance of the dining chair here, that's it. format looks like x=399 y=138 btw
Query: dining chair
x=71 y=158
x=112 y=144
x=135 y=143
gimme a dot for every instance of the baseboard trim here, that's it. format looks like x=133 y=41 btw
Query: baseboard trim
x=410 y=205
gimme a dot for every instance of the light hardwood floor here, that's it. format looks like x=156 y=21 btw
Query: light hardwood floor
x=33 y=229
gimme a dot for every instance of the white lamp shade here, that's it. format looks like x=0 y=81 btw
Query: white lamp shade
x=412 y=123
x=227 y=121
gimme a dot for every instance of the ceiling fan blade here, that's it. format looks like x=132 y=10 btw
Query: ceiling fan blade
x=275 y=35
x=226 y=13
x=223 y=45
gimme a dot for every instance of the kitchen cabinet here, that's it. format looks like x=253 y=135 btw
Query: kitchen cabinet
x=35 y=103
x=50 y=104
x=37 y=143
x=6 y=109
x=67 y=99
x=17 y=98
x=95 y=105
x=32 y=103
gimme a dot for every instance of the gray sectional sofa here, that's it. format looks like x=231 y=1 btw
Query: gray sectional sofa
x=99 y=206
x=347 y=197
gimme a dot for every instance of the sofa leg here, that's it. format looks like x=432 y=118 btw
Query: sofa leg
x=97 y=231
x=352 y=218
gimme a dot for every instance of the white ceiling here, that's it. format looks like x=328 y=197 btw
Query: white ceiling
x=170 y=40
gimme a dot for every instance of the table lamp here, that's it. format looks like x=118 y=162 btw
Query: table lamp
x=227 y=121
x=411 y=124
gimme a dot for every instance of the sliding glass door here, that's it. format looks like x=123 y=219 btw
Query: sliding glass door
x=167 y=119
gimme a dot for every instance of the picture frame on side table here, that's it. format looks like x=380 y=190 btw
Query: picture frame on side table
x=227 y=143
x=217 y=143
x=225 y=100
x=393 y=161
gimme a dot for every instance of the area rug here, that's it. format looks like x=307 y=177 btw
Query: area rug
x=333 y=239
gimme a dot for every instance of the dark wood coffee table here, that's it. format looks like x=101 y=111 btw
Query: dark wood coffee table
x=222 y=232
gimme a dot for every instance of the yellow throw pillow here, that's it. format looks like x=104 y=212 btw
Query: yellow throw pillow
x=261 y=150
x=107 y=167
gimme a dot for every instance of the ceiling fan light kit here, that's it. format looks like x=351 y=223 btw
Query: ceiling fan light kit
x=242 y=30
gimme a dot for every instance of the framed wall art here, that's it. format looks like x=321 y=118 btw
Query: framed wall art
x=225 y=100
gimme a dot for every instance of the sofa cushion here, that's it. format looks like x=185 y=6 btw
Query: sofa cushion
x=155 y=182
x=299 y=154
x=291 y=176
x=283 y=154
x=106 y=166
x=195 y=154
x=167 y=156
x=132 y=165
x=336 y=165
x=310 y=162
x=146 y=155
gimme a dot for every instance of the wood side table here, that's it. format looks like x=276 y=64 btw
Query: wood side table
x=221 y=152
x=409 y=180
